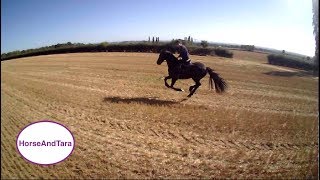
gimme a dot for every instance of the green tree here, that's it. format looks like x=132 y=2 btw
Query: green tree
x=204 y=44
x=104 y=43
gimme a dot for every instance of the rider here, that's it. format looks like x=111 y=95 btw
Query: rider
x=183 y=54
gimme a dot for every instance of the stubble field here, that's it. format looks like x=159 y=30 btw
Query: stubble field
x=127 y=124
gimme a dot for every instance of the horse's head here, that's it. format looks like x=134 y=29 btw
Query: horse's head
x=163 y=56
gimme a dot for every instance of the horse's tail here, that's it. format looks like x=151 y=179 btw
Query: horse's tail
x=219 y=83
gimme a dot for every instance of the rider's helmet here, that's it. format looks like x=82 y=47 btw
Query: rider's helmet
x=177 y=45
x=178 y=42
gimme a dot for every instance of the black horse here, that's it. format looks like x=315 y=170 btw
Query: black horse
x=196 y=71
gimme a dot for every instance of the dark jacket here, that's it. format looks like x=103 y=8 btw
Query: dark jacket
x=183 y=53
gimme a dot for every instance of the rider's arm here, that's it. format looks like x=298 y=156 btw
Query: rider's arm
x=179 y=51
x=184 y=53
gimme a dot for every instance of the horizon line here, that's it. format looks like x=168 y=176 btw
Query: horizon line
x=194 y=40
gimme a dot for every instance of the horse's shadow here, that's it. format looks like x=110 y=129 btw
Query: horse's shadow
x=139 y=100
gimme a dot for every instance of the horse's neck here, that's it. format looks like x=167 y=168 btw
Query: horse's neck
x=172 y=60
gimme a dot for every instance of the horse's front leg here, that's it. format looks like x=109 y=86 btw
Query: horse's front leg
x=173 y=81
x=165 y=81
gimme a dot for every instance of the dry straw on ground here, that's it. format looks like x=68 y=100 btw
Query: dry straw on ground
x=127 y=124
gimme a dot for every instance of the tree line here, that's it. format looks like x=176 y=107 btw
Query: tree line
x=119 y=47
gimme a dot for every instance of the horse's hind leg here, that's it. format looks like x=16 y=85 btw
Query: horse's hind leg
x=195 y=87
x=191 y=88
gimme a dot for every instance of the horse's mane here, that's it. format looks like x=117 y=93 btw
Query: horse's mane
x=170 y=54
x=165 y=51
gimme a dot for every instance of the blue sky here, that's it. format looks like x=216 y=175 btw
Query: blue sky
x=279 y=24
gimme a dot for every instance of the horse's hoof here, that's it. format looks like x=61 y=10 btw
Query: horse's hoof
x=182 y=90
x=189 y=95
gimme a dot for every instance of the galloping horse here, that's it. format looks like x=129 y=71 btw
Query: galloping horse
x=196 y=71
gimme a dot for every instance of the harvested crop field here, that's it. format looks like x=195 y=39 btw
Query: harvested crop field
x=127 y=124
